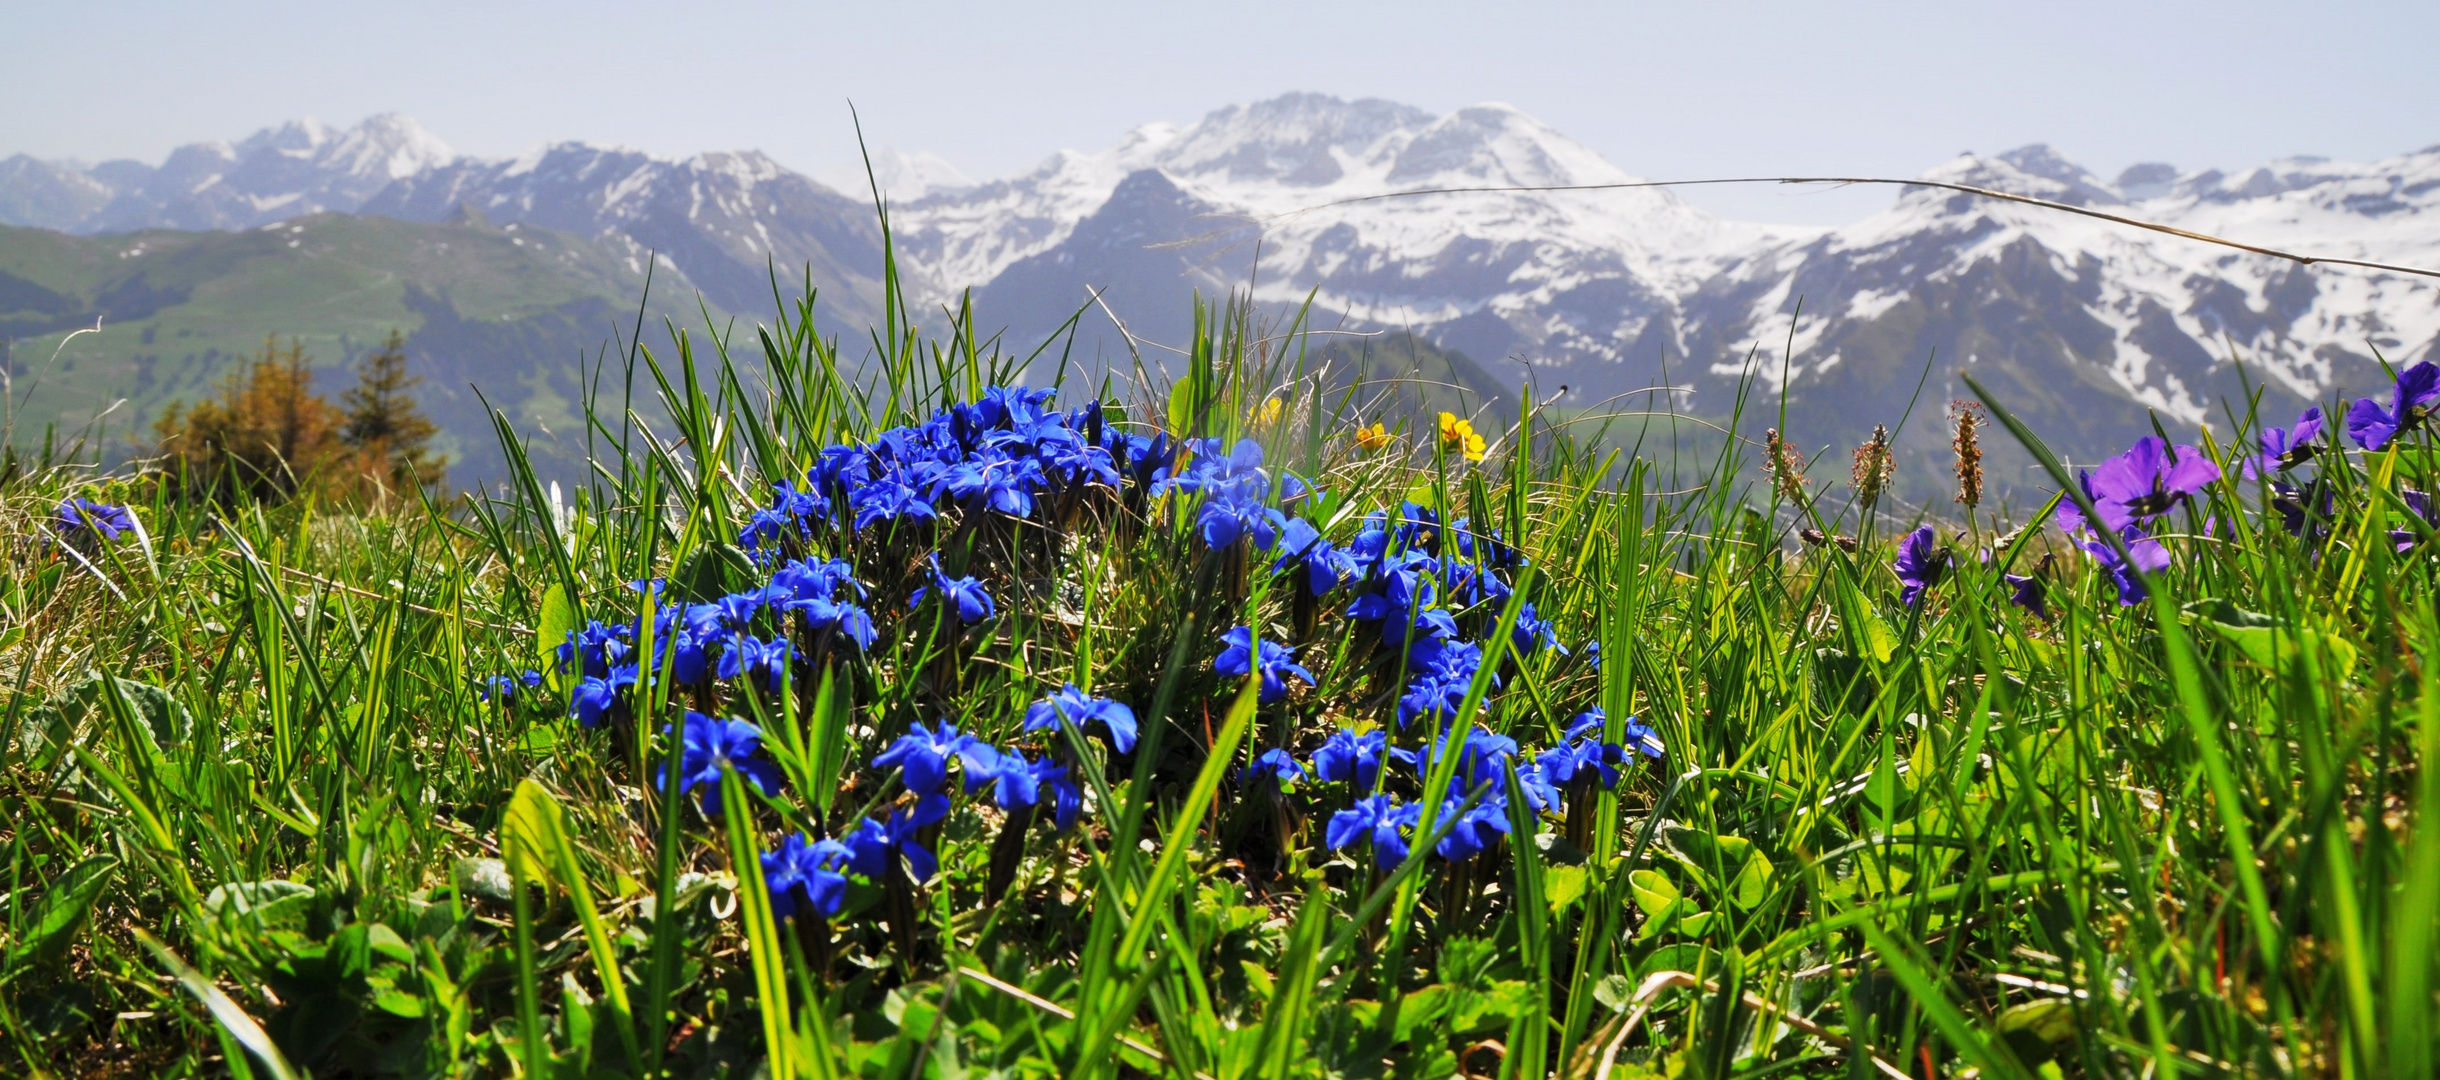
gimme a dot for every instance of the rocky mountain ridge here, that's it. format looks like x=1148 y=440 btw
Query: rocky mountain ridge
x=1609 y=292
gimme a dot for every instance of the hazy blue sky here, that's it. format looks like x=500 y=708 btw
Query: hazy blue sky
x=1673 y=91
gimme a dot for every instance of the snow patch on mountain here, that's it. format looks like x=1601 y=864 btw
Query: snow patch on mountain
x=900 y=175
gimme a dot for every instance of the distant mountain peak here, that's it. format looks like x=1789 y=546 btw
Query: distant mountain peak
x=1606 y=290
x=2035 y=170
x=900 y=175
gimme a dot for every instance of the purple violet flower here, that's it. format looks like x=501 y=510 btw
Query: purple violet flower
x=2372 y=427
x=1920 y=565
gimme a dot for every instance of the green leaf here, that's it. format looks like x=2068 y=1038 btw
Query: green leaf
x=1879 y=639
x=1752 y=883
x=1564 y=885
x=1652 y=890
x=555 y=622
x=530 y=835
x=1181 y=407
x=711 y=572
x=2270 y=643
x=2050 y=1021
x=63 y=907
x=266 y=905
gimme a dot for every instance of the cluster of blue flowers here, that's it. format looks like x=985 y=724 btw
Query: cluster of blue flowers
x=752 y=637
x=1425 y=594
x=811 y=874
x=1379 y=820
x=1008 y=453
x=1421 y=594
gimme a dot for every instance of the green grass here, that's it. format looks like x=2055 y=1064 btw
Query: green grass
x=254 y=804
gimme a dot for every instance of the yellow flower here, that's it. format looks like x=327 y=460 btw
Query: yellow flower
x=1372 y=438
x=1271 y=410
x=1459 y=435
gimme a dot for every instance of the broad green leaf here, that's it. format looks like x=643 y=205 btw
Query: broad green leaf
x=1753 y=881
x=553 y=624
x=1563 y=885
x=1878 y=637
x=530 y=835
x=2272 y=644
x=1653 y=891
x=64 y=905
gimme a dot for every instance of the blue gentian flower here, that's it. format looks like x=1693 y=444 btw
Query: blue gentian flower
x=1497 y=553
x=1535 y=782
x=856 y=625
x=1083 y=710
x=500 y=688
x=600 y=698
x=1378 y=820
x=1475 y=830
x=1346 y=756
x=595 y=649
x=1533 y=633
x=1642 y=739
x=871 y=844
x=78 y=518
x=1066 y=798
x=1010 y=777
x=965 y=594
x=1583 y=753
x=1479 y=759
x=922 y=755
x=2421 y=503
x=737 y=610
x=2411 y=400
x=889 y=499
x=1277 y=764
x=810 y=873
x=764 y=529
x=711 y=742
x=1247 y=654
x=1441 y=676
x=1301 y=546
x=1920 y=565
x=765 y=661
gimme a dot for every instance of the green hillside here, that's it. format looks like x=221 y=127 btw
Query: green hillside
x=509 y=309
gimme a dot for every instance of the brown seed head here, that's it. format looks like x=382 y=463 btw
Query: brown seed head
x=1785 y=466
x=1968 y=416
x=1873 y=464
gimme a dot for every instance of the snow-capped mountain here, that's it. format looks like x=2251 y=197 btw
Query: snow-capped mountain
x=900 y=175
x=2082 y=324
x=1568 y=276
x=2088 y=326
x=722 y=220
x=728 y=221
x=302 y=167
x=2093 y=324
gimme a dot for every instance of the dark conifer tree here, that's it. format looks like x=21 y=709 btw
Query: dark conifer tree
x=383 y=420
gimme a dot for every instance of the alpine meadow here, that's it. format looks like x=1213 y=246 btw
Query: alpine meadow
x=884 y=702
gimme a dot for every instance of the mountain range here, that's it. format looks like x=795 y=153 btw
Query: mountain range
x=1628 y=297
